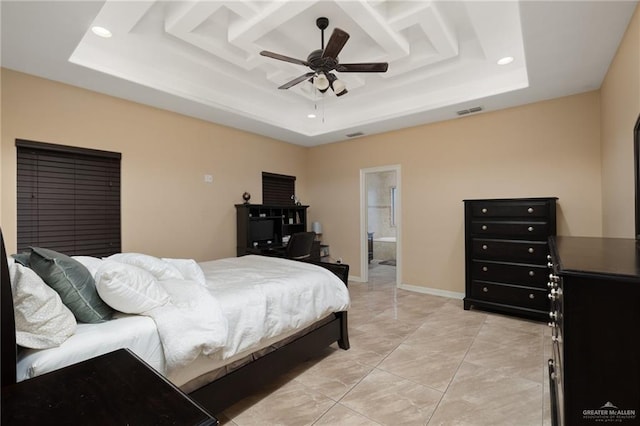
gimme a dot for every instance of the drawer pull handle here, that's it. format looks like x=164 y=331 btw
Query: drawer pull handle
x=532 y=296
x=530 y=210
x=485 y=269
x=531 y=250
x=484 y=247
x=530 y=229
x=485 y=289
x=484 y=210
x=484 y=227
x=531 y=273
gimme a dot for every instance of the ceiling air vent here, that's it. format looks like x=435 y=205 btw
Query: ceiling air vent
x=353 y=135
x=469 y=111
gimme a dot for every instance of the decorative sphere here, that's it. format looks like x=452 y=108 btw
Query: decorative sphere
x=246 y=197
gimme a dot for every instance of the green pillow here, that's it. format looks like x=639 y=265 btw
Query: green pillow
x=73 y=282
x=22 y=258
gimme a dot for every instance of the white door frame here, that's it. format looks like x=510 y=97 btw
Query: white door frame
x=364 y=249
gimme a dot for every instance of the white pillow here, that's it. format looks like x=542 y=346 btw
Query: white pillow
x=129 y=289
x=89 y=262
x=189 y=269
x=160 y=269
x=42 y=320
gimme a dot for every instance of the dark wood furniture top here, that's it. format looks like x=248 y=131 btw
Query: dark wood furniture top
x=592 y=256
x=115 y=388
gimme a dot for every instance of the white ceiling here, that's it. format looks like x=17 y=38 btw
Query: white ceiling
x=201 y=58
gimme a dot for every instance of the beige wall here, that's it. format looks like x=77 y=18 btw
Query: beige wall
x=620 y=99
x=167 y=208
x=549 y=148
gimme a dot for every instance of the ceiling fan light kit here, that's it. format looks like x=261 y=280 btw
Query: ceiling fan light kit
x=321 y=82
x=338 y=87
x=324 y=60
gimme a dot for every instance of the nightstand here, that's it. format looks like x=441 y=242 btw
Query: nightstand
x=117 y=388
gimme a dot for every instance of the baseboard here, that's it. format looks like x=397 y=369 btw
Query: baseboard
x=432 y=291
x=419 y=289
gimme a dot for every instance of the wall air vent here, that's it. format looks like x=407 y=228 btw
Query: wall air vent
x=469 y=111
x=353 y=135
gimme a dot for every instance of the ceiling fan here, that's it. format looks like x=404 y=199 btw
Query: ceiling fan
x=325 y=60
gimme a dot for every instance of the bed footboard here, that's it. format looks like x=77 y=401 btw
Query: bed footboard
x=341 y=270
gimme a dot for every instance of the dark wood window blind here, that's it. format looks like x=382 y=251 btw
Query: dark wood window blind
x=68 y=199
x=278 y=189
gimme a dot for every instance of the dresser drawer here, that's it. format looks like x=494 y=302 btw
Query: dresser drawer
x=510 y=209
x=511 y=295
x=518 y=274
x=527 y=251
x=538 y=229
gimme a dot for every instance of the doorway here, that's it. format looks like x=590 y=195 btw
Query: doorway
x=380 y=208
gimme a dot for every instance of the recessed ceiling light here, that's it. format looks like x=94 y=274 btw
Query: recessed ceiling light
x=101 y=32
x=506 y=60
x=311 y=116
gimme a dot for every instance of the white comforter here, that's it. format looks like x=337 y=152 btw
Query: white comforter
x=190 y=325
x=263 y=297
x=255 y=299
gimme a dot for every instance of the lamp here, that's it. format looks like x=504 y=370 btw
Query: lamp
x=317 y=228
x=321 y=82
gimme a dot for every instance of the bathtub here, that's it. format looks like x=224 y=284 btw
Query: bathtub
x=385 y=239
x=384 y=248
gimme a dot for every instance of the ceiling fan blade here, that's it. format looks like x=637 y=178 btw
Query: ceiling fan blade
x=335 y=44
x=283 y=58
x=363 y=67
x=297 y=80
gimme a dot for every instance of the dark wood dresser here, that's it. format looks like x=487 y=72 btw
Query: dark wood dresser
x=506 y=254
x=594 y=373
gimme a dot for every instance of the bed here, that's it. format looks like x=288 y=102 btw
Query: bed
x=238 y=358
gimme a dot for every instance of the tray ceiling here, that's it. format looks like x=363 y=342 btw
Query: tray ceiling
x=201 y=58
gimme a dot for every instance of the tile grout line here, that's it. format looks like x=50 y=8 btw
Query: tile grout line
x=456 y=372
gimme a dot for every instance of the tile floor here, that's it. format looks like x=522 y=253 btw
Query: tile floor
x=415 y=359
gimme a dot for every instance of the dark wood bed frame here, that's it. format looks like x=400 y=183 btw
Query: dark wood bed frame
x=223 y=392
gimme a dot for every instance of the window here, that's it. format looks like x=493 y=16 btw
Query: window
x=68 y=199
x=278 y=189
